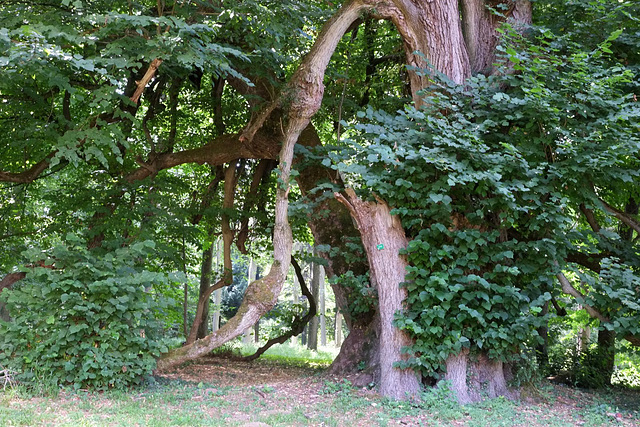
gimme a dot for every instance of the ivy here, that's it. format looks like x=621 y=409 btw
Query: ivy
x=84 y=318
x=486 y=179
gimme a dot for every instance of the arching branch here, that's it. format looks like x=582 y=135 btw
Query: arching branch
x=304 y=96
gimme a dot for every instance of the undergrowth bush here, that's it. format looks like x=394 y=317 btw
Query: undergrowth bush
x=83 y=318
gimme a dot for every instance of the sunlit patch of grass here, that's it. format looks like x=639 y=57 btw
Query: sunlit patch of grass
x=294 y=354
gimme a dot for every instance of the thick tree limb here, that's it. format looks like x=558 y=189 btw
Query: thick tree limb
x=568 y=289
x=11 y=278
x=590 y=217
x=298 y=323
x=222 y=149
x=29 y=175
x=591 y=261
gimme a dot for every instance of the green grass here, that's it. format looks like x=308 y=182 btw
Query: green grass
x=294 y=354
x=319 y=401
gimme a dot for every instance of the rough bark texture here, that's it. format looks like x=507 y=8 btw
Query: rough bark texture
x=479 y=34
x=383 y=238
x=457 y=375
x=472 y=379
x=432 y=36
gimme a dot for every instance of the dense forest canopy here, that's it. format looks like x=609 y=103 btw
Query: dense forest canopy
x=466 y=172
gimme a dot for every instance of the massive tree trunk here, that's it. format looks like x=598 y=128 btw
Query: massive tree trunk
x=383 y=239
x=433 y=28
x=473 y=377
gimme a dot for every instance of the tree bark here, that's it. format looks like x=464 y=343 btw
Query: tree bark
x=312 y=341
x=338 y=328
x=456 y=365
x=606 y=353
x=383 y=238
x=472 y=380
x=432 y=37
x=205 y=282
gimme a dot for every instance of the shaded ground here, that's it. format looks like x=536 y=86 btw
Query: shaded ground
x=221 y=392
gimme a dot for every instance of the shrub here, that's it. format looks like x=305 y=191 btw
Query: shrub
x=84 y=318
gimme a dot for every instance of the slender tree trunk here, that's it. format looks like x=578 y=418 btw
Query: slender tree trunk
x=217 y=294
x=256 y=332
x=542 y=350
x=295 y=300
x=338 y=328
x=584 y=336
x=249 y=336
x=217 y=300
x=312 y=341
x=606 y=353
x=323 y=320
x=206 y=271
x=185 y=307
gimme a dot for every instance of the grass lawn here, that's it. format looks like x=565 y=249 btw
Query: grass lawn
x=275 y=391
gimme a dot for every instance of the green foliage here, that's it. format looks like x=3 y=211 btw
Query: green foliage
x=362 y=296
x=486 y=179
x=84 y=318
x=337 y=387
